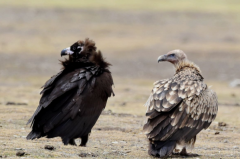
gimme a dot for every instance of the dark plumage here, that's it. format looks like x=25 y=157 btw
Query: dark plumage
x=178 y=108
x=73 y=99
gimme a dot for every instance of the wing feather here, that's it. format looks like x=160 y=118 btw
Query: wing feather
x=68 y=103
x=179 y=108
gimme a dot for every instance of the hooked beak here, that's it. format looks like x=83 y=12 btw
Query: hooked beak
x=66 y=51
x=162 y=58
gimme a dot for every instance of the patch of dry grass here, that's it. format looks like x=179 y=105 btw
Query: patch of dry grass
x=118 y=132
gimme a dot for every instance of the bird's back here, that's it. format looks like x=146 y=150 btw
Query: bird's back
x=72 y=102
x=178 y=109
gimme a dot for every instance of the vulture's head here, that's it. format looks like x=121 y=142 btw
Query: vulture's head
x=174 y=56
x=83 y=53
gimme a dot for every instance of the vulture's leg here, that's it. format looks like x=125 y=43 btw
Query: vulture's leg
x=191 y=143
x=84 y=140
x=193 y=140
x=72 y=142
x=184 y=152
x=151 y=149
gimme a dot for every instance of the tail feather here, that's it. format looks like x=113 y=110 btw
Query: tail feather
x=33 y=135
x=164 y=150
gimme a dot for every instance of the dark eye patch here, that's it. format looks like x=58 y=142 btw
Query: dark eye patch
x=171 y=55
x=74 y=48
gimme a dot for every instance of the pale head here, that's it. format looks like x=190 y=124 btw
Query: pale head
x=174 y=56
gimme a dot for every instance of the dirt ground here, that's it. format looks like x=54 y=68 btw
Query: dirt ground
x=31 y=41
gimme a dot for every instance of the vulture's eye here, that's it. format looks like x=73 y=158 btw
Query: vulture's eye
x=172 y=55
x=74 y=48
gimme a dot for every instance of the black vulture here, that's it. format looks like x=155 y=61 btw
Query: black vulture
x=178 y=108
x=73 y=100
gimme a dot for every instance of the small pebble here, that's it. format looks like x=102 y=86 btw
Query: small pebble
x=49 y=147
x=83 y=155
x=20 y=153
x=222 y=124
x=104 y=153
x=235 y=147
x=87 y=155
x=18 y=149
x=217 y=133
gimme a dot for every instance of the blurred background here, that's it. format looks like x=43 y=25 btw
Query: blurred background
x=131 y=35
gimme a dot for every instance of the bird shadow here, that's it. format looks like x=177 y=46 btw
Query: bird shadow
x=189 y=155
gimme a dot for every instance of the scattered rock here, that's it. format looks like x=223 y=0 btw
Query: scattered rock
x=105 y=153
x=225 y=141
x=235 y=83
x=230 y=104
x=94 y=155
x=217 y=133
x=18 y=149
x=115 y=142
x=14 y=103
x=233 y=95
x=87 y=155
x=20 y=153
x=113 y=129
x=10 y=103
x=3 y=156
x=83 y=155
x=123 y=104
x=222 y=124
x=109 y=112
x=235 y=147
x=49 y=147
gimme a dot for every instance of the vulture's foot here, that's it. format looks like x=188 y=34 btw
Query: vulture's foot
x=84 y=141
x=184 y=152
x=72 y=142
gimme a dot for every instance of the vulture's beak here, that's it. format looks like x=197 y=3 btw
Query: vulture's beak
x=66 y=51
x=162 y=58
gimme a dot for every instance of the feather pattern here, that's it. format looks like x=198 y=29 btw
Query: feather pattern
x=179 y=108
x=73 y=100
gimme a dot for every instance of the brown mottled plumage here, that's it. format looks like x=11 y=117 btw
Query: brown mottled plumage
x=73 y=99
x=178 y=108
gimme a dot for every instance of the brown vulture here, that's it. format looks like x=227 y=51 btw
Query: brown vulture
x=178 y=108
x=73 y=99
